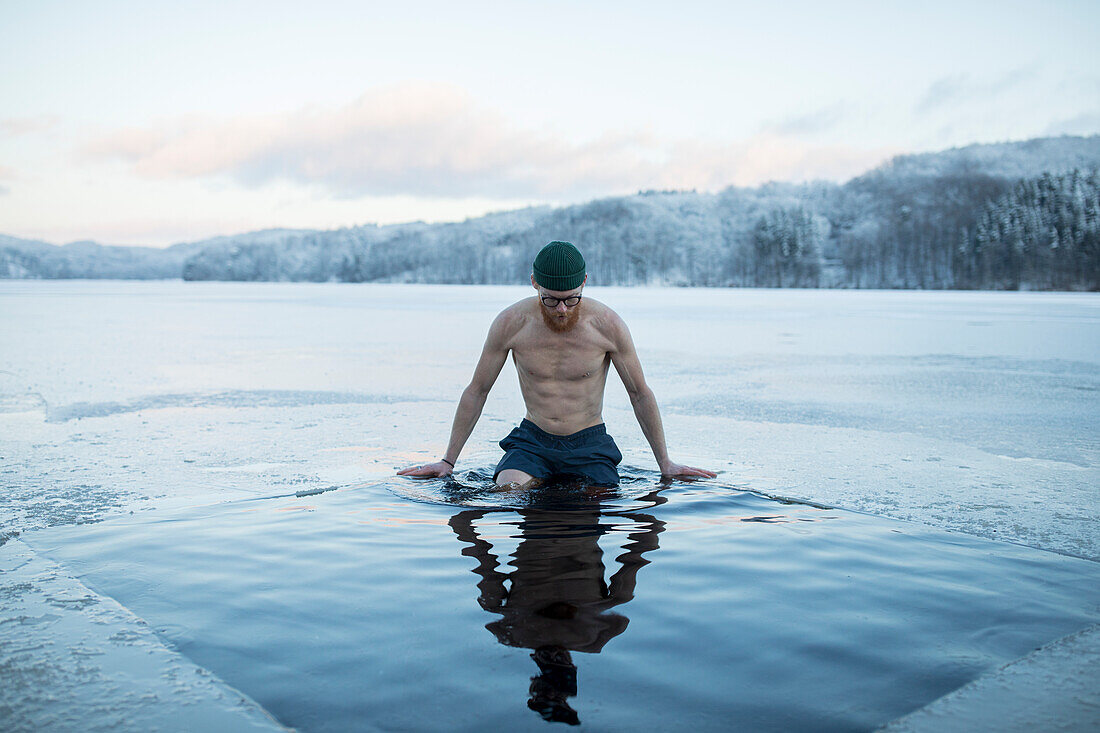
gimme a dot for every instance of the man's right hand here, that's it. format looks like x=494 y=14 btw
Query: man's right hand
x=428 y=470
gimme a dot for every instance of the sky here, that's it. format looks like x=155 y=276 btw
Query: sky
x=150 y=123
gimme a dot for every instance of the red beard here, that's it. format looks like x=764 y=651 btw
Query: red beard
x=561 y=325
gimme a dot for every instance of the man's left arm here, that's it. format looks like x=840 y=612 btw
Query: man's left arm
x=625 y=358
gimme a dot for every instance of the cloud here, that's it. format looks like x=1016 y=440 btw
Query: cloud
x=1087 y=123
x=16 y=126
x=962 y=88
x=811 y=123
x=434 y=140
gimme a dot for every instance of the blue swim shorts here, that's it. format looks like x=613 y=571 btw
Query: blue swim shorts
x=590 y=453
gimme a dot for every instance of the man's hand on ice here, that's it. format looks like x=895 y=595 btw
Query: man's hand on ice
x=687 y=473
x=427 y=470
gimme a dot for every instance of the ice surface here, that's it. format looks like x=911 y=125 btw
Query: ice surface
x=1054 y=688
x=971 y=411
x=75 y=660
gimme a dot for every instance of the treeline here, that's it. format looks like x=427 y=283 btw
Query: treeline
x=979 y=232
x=1043 y=235
x=957 y=230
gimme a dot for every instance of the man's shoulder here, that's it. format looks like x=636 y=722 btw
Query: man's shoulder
x=517 y=311
x=602 y=316
x=510 y=320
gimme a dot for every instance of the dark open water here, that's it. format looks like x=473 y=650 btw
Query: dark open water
x=405 y=605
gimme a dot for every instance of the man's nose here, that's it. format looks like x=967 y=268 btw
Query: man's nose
x=560 y=307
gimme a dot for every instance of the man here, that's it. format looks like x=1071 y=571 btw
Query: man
x=562 y=345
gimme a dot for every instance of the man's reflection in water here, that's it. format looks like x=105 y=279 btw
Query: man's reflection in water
x=555 y=600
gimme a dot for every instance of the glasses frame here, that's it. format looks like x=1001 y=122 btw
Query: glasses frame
x=551 y=302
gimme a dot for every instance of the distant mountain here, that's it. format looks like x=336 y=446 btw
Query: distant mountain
x=1026 y=159
x=25 y=258
x=35 y=259
x=1007 y=215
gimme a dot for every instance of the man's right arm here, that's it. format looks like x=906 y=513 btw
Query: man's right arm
x=493 y=356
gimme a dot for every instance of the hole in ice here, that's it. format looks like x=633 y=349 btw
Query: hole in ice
x=475 y=488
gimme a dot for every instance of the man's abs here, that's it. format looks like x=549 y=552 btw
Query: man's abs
x=564 y=396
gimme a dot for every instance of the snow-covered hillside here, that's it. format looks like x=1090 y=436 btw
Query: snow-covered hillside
x=1023 y=215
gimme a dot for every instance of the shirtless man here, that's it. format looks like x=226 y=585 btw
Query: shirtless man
x=562 y=345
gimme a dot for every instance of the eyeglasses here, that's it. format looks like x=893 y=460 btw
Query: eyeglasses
x=551 y=302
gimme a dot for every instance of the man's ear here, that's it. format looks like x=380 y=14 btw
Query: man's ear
x=536 y=287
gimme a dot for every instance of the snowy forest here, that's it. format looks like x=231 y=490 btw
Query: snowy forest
x=1013 y=216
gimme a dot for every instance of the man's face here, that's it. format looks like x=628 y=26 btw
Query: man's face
x=560 y=317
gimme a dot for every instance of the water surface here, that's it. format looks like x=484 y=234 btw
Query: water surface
x=438 y=605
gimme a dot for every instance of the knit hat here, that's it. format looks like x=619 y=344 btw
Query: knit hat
x=559 y=266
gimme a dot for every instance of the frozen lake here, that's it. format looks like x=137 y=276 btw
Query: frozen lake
x=970 y=411
x=201 y=421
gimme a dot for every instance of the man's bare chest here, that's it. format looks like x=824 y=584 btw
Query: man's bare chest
x=560 y=359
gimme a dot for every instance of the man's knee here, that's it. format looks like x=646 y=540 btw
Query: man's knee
x=511 y=478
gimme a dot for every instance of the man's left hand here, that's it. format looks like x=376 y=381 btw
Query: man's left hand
x=687 y=473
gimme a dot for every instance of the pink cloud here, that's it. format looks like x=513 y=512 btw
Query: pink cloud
x=16 y=126
x=433 y=140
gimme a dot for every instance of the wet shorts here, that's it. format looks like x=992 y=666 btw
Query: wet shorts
x=590 y=453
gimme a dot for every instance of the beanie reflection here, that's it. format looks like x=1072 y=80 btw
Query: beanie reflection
x=556 y=681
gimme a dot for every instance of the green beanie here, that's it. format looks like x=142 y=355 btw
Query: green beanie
x=559 y=266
